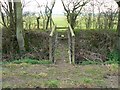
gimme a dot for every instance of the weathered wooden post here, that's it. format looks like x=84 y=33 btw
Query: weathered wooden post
x=50 y=49
x=52 y=44
x=69 y=43
x=73 y=49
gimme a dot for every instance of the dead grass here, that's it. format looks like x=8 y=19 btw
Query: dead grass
x=61 y=76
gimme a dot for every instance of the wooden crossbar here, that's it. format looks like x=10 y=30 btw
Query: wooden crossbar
x=61 y=27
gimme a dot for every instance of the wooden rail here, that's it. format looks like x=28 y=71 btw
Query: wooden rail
x=71 y=30
x=53 y=30
x=71 y=43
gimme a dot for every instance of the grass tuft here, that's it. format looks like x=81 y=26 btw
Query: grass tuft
x=52 y=84
x=29 y=61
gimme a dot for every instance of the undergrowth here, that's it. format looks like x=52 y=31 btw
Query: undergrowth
x=29 y=61
x=113 y=58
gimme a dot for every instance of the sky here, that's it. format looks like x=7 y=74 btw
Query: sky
x=58 y=8
x=32 y=6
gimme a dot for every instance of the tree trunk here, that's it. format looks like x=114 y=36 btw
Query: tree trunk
x=38 y=22
x=118 y=28
x=0 y=41
x=47 y=23
x=11 y=17
x=19 y=27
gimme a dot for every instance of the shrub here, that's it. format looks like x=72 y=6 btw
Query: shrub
x=113 y=57
x=52 y=84
x=30 y=61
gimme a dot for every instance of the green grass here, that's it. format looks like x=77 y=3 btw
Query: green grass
x=90 y=62
x=29 y=61
x=52 y=84
x=60 y=21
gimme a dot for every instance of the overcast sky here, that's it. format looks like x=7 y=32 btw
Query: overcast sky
x=32 y=6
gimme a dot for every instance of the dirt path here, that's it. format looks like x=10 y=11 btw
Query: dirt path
x=112 y=81
x=61 y=54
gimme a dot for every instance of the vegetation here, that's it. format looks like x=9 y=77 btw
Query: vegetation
x=50 y=76
x=28 y=61
x=78 y=49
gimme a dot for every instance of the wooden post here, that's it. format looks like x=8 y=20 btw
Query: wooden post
x=69 y=43
x=73 y=49
x=50 y=49
x=52 y=44
x=50 y=23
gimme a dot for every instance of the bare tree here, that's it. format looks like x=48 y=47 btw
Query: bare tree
x=118 y=28
x=99 y=4
x=72 y=9
x=19 y=26
x=88 y=16
x=5 y=14
x=47 y=16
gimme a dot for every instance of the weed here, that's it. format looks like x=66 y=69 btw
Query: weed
x=88 y=62
x=29 y=61
x=52 y=84
x=113 y=58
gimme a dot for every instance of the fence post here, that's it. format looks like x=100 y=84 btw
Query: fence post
x=73 y=49
x=69 y=43
x=52 y=44
x=50 y=49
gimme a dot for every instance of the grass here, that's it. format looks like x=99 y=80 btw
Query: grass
x=52 y=84
x=60 y=21
x=53 y=76
x=29 y=61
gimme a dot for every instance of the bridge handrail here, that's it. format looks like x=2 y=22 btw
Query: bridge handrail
x=53 y=30
x=71 y=30
x=71 y=43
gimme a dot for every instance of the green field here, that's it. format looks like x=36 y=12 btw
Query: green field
x=60 y=20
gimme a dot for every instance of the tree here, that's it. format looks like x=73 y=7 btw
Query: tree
x=19 y=26
x=0 y=38
x=99 y=4
x=48 y=12
x=47 y=15
x=72 y=9
x=118 y=28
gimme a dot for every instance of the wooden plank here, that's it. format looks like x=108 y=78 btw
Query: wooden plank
x=61 y=27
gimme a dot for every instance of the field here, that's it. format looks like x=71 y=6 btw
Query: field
x=60 y=20
x=26 y=75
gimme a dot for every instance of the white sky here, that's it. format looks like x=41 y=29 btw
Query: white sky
x=32 y=6
x=58 y=9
